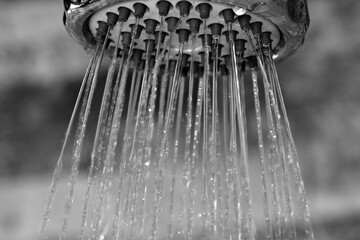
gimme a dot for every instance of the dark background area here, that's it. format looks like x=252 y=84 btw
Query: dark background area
x=40 y=72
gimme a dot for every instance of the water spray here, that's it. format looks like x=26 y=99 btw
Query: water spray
x=170 y=158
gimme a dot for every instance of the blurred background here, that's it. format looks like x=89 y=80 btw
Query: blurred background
x=40 y=72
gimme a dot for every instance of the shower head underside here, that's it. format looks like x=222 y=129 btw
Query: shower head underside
x=285 y=22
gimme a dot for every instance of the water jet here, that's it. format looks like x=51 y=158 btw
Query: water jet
x=177 y=167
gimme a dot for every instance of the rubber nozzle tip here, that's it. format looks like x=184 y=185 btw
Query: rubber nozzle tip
x=266 y=38
x=126 y=39
x=184 y=8
x=150 y=26
x=112 y=18
x=171 y=23
x=183 y=35
x=256 y=28
x=228 y=15
x=240 y=46
x=164 y=7
x=194 y=25
x=102 y=28
x=139 y=10
x=124 y=14
x=244 y=21
x=215 y=29
x=204 y=10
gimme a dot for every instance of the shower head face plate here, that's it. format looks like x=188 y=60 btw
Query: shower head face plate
x=277 y=16
x=215 y=17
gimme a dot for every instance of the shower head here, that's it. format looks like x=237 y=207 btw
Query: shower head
x=286 y=21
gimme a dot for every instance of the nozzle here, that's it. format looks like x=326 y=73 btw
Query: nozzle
x=266 y=38
x=164 y=7
x=184 y=8
x=139 y=10
x=124 y=14
x=215 y=29
x=244 y=21
x=240 y=46
x=183 y=35
x=228 y=15
x=256 y=28
x=204 y=9
x=150 y=26
x=102 y=29
x=126 y=40
x=112 y=19
x=194 y=24
x=171 y=23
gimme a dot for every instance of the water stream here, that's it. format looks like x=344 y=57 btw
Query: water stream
x=171 y=157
